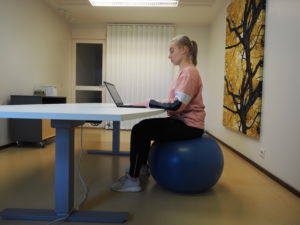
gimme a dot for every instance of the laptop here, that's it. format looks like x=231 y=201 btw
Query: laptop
x=116 y=97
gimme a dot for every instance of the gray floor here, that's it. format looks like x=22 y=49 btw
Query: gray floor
x=243 y=195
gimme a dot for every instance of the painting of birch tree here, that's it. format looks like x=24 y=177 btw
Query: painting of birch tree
x=244 y=61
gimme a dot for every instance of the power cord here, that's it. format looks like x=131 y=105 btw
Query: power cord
x=85 y=189
x=60 y=219
x=84 y=186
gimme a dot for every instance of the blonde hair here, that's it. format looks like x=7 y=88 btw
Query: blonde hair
x=183 y=40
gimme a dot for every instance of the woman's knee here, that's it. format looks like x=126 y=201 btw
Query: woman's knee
x=141 y=126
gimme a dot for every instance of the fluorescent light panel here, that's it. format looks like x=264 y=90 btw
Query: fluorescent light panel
x=135 y=3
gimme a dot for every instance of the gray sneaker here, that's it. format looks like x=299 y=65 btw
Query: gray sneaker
x=126 y=184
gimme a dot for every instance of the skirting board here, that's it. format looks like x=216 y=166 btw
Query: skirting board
x=272 y=176
x=6 y=146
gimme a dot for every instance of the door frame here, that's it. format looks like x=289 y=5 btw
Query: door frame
x=74 y=87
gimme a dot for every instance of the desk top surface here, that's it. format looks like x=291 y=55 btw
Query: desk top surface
x=75 y=111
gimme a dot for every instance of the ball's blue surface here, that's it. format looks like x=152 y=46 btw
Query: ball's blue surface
x=186 y=166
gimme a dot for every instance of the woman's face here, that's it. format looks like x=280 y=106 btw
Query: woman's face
x=176 y=54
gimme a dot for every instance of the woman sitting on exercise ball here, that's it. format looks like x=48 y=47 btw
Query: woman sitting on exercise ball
x=185 y=110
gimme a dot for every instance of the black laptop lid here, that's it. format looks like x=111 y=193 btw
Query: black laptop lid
x=113 y=93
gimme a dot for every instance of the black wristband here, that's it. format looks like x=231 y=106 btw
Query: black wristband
x=169 y=106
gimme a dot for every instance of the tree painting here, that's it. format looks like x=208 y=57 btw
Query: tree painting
x=244 y=60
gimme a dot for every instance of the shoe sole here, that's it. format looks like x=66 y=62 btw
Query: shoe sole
x=129 y=189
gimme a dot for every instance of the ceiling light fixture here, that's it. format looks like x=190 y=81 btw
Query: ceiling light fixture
x=135 y=3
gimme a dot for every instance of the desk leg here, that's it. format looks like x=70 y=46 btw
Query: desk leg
x=64 y=186
x=115 y=143
x=64 y=166
x=116 y=137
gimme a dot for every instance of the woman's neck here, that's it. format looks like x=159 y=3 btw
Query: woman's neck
x=185 y=63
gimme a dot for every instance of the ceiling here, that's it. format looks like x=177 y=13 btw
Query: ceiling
x=189 y=12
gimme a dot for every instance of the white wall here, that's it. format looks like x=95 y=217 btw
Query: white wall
x=35 y=51
x=280 y=126
x=89 y=32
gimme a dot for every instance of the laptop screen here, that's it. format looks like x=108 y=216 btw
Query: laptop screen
x=114 y=94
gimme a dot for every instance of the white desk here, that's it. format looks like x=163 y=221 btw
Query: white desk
x=65 y=117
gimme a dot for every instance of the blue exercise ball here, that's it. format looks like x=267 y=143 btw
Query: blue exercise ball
x=186 y=166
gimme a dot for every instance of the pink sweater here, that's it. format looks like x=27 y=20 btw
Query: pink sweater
x=187 y=88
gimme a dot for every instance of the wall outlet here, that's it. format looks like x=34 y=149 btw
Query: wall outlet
x=262 y=153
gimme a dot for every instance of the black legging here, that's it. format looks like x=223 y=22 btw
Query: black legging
x=157 y=129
